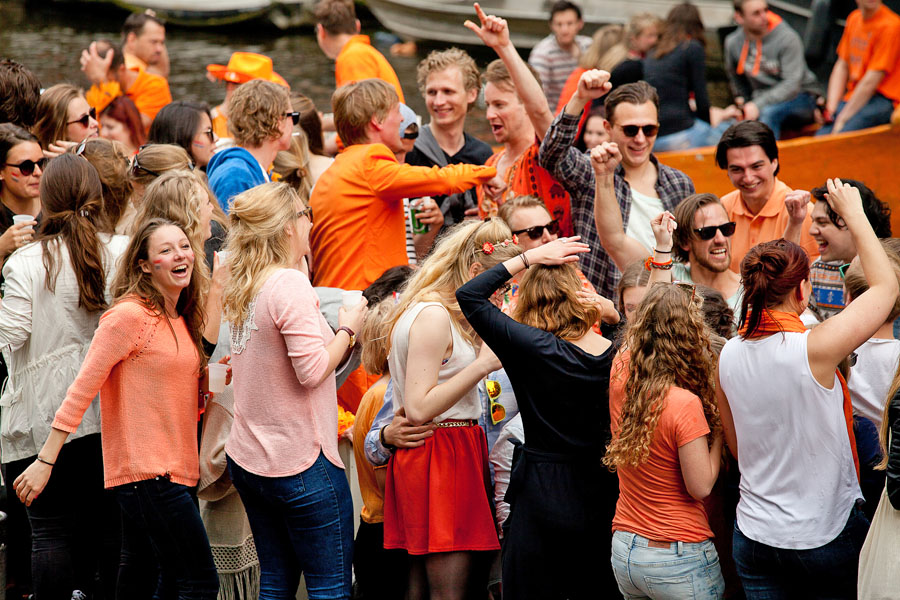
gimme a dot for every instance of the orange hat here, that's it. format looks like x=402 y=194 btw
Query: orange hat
x=246 y=66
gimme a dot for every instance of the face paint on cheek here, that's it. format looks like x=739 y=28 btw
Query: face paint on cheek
x=13 y=177
x=157 y=264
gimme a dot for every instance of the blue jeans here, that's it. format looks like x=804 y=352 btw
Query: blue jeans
x=161 y=527
x=801 y=107
x=302 y=524
x=694 y=136
x=877 y=111
x=683 y=570
x=829 y=571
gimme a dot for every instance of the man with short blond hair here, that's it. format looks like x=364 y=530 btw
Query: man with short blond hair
x=449 y=82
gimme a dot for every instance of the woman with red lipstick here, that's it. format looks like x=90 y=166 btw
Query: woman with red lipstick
x=147 y=363
x=21 y=166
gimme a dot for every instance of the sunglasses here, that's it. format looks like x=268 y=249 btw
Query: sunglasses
x=85 y=119
x=843 y=270
x=537 y=231
x=26 y=167
x=687 y=287
x=412 y=132
x=136 y=168
x=498 y=411
x=306 y=212
x=709 y=232
x=295 y=117
x=632 y=130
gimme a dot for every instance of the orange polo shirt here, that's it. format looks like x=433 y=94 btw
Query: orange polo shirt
x=873 y=45
x=767 y=225
x=359 y=230
x=359 y=60
x=149 y=93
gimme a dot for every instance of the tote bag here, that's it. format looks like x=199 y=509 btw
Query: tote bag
x=879 y=559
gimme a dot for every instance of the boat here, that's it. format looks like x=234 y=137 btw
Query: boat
x=867 y=155
x=284 y=14
x=440 y=21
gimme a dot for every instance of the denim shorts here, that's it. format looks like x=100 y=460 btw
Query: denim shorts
x=683 y=571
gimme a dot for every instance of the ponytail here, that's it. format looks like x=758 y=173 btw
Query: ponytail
x=72 y=204
x=770 y=272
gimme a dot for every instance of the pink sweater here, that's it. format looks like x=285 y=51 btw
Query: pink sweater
x=282 y=419
x=148 y=388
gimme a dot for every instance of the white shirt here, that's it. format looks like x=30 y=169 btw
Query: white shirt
x=643 y=210
x=798 y=479
x=870 y=379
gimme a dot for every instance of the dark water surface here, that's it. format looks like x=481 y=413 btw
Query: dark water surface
x=49 y=38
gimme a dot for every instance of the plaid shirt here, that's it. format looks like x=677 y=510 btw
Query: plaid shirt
x=573 y=170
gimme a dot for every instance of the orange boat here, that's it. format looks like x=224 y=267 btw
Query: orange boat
x=868 y=155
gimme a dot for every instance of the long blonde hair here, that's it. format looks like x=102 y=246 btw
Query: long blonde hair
x=375 y=345
x=257 y=244
x=447 y=268
x=292 y=165
x=669 y=345
x=603 y=41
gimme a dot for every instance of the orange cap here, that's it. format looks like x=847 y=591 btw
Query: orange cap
x=246 y=66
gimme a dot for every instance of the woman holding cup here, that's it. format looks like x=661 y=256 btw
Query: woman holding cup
x=147 y=362
x=286 y=470
x=21 y=165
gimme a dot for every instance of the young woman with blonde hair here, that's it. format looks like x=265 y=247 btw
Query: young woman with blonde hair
x=666 y=449
x=282 y=451
x=112 y=163
x=63 y=115
x=441 y=522
x=147 y=363
x=152 y=161
x=559 y=369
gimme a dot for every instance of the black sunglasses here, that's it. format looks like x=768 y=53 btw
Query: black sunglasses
x=632 y=130
x=85 y=119
x=295 y=117
x=537 y=231
x=136 y=167
x=412 y=132
x=709 y=232
x=26 y=167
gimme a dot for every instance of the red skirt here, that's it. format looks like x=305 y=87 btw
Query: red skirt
x=436 y=496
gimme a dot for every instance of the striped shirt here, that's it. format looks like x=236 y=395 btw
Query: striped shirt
x=554 y=65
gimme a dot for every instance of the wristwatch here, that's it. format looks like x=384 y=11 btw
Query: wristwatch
x=350 y=333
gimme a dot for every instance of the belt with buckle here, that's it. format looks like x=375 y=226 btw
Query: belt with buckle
x=457 y=423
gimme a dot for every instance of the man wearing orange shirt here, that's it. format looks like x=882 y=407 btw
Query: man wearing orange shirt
x=104 y=65
x=749 y=154
x=864 y=87
x=144 y=43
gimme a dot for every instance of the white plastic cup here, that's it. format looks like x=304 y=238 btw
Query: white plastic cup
x=351 y=298
x=217 y=372
x=23 y=219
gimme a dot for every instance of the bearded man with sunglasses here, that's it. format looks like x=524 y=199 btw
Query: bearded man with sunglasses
x=640 y=184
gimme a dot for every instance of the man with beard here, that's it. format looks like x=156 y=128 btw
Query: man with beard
x=749 y=154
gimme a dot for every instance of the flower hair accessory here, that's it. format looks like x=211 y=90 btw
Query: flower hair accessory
x=488 y=247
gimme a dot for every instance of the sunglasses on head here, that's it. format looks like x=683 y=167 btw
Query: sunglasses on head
x=843 y=270
x=498 y=411
x=688 y=287
x=85 y=119
x=632 y=130
x=537 y=231
x=295 y=117
x=709 y=232
x=26 y=167
x=306 y=212
x=136 y=167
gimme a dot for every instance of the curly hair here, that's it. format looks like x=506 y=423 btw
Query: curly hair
x=668 y=341
x=255 y=112
x=877 y=212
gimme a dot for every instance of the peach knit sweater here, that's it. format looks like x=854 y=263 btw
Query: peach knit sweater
x=148 y=388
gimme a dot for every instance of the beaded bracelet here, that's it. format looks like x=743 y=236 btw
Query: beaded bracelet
x=651 y=264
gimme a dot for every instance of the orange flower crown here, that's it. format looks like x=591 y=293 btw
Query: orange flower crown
x=488 y=247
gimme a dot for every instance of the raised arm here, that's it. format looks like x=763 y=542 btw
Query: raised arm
x=494 y=32
x=623 y=249
x=840 y=335
x=797 y=204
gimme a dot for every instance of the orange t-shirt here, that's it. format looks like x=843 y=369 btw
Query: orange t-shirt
x=149 y=93
x=359 y=60
x=873 y=45
x=653 y=500
x=372 y=495
x=767 y=225
x=359 y=229
x=527 y=178
x=220 y=122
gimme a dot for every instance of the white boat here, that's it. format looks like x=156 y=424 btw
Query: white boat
x=284 y=14
x=441 y=20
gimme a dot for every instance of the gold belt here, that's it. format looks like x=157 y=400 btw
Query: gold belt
x=457 y=423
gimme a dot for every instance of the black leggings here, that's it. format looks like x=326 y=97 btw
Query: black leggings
x=75 y=525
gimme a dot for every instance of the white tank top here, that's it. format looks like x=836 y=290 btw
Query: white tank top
x=798 y=480
x=469 y=406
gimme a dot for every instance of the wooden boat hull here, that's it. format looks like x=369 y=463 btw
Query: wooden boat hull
x=869 y=155
x=284 y=14
x=441 y=21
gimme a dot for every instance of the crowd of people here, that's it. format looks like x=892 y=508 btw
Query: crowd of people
x=563 y=370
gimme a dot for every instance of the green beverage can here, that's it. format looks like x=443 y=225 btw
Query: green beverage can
x=416 y=226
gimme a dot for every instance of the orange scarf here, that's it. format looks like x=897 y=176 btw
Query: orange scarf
x=776 y=321
x=773 y=21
